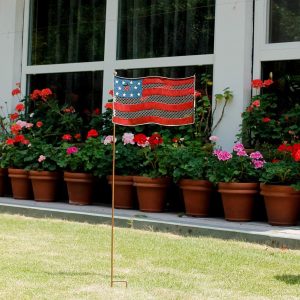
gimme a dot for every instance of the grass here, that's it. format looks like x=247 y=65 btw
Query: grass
x=55 y=259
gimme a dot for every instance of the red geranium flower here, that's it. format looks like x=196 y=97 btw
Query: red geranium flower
x=15 y=128
x=10 y=141
x=14 y=116
x=20 y=107
x=96 y=111
x=140 y=139
x=19 y=138
x=197 y=94
x=109 y=105
x=155 y=139
x=268 y=82
x=67 y=137
x=257 y=83
x=16 y=91
x=45 y=93
x=35 y=95
x=92 y=133
x=39 y=124
x=266 y=120
x=77 y=136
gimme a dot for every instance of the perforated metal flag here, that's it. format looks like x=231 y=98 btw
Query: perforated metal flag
x=154 y=100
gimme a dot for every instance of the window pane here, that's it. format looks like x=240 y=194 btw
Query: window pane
x=286 y=77
x=66 y=31
x=284 y=21
x=158 y=28
x=82 y=90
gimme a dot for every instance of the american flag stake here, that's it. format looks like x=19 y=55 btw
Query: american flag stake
x=153 y=100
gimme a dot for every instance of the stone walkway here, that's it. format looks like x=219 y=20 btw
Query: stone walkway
x=258 y=232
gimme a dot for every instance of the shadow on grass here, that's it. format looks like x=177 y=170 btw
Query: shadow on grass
x=288 y=278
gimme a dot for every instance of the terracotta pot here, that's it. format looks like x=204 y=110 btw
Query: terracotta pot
x=196 y=196
x=20 y=182
x=151 y=193
x=3 y=181
x=238 y=200
x=123 y=191
x=80 y=187
x=44 y=185
x=282 y=204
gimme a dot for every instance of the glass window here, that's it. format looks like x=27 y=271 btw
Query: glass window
x=284 y=21
x=159 y=28
x=82 y=90
x=66 y=31
x=286 y=77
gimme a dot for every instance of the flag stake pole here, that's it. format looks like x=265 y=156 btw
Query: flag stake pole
x=113 y=211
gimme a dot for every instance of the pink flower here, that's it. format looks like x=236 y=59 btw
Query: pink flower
x=242 y=153
x=258 y=164
x=21 y=123
x=224 y=155
x=238 y=147
x=256 y=155
x=109 y=140
x=255 y=103
x=216 y=152
x=29 y=125
x=41 y=158
x=213 y=138
x=72 y=150
x=127 y=138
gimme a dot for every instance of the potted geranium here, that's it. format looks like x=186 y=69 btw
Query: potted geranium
x=43 y=170
x=190 y=165
x=126 y=165
x=280 y=185
x=80 y=163
x=236 y=175
x=152 y=180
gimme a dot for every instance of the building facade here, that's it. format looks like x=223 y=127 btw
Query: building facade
x=75 y=46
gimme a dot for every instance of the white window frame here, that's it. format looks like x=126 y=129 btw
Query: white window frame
x=110 y=63
x=263 y=50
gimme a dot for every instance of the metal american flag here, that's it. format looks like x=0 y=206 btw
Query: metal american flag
x=154 y=100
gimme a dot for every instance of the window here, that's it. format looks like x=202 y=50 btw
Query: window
x=286 y=76
x=160 y=28
x=66 y=31
x=284 y=21
x=82 y=90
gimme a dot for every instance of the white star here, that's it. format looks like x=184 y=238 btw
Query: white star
x=131 y=82
x=131 y=95
x=124 y=95
x=119 y=88
x=117 y=93
x=135 y=87
x=123 y=82
x=139 y=94
x=139 y=83
x=117 y=81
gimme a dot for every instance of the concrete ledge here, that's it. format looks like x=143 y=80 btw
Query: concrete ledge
x=276 y=237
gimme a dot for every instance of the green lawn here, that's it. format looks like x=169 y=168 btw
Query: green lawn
x=54 y=259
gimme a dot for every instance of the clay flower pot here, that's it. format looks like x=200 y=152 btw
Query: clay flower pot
x=282 y=204
x=123 y=191
x=44 y=185
x=151 y=193
x=196 y=196
x=238 y=200
x=20 y=182
x=80 y=187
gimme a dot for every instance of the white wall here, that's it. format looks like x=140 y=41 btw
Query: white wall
x=11 y=32
x=232 y=64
